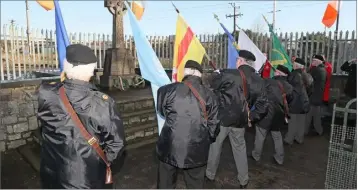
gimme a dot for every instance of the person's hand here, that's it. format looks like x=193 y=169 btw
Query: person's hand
x=217 y=71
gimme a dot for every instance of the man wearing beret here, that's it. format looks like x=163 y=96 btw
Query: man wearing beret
x=299 y=106
x=279 y=94
x=318 y=73
x=82 y=132
x=191 y=125
x=238 y=90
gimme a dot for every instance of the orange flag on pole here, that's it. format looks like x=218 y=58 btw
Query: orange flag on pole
x=138 y=8
x=186 y=47
x=331 y=13
x=48 y=5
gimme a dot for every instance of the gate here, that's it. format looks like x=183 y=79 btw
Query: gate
x=342 y=157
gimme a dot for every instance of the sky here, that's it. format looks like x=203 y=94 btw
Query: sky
x=160 y=17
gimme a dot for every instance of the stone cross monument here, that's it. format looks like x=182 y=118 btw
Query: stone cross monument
x=119 y=64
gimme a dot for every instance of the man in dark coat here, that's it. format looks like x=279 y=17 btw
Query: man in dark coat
x=68 y=161
x=191 y=125
x=318 y=73
x=351 y=86
x=279 y=96
x=299 y=106
x=236 y=94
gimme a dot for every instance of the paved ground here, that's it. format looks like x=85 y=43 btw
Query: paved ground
x=304 y=167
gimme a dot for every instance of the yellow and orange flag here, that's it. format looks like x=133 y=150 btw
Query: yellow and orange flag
x=186 y=47
x=138 y=8
x=331 y=13
x=48 y=5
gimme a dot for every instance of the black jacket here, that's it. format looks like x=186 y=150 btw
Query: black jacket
x=307 y=82
x=67 y=160
x=351 y=85
x=318 y=74
x=228 y=86
x=185 y=139
x=300 y=103
x=275 y=118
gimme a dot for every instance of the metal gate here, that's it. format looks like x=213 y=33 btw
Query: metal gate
x=342 y=157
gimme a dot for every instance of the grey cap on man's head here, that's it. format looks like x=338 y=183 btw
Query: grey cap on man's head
x=78 y=54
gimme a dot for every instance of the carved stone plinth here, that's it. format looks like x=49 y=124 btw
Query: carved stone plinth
x=119 y=67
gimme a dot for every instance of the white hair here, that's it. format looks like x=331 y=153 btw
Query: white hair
x=190 y=71
x=79 y=72
x=280 y=73
x=298 y=66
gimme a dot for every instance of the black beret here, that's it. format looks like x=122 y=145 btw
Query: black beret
x=193 y=65
x=283 y=69
x=300 y=61
x=78 y=54
x=247 y=55
x=319 y=57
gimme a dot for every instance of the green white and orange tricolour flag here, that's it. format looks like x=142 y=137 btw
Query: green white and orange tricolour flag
x=186 y=47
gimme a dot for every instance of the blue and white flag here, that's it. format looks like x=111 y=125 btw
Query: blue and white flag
x=149 y=64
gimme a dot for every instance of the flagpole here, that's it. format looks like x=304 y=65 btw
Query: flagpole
x=28 y=23
x=336 y=35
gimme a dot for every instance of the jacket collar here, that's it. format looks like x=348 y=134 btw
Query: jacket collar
x=193 y=79
x=298 y=70
x=246 y=68
x=78 y=84
x=280 y=78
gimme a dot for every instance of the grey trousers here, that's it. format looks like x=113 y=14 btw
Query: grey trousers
x=314 y=112
x=259 y=142
x=296 y=128
x=238 y=144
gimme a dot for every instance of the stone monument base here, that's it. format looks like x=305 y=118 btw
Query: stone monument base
x=118 y=71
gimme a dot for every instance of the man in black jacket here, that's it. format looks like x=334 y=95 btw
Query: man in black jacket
x=191 y=125
x=351 y=86
x=237 y=90
x=299 y=106
x=279 y=94
x=318 y=73
x=68 y=160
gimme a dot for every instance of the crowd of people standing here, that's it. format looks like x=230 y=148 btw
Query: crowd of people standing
x=83 y=133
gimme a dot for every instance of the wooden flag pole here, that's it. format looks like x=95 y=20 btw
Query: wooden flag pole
x=335 y=35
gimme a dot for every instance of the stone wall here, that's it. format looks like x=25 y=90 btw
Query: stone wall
x=18 y=107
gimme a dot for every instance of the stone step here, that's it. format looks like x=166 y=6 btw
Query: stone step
x=141 y=117
x=139 y=103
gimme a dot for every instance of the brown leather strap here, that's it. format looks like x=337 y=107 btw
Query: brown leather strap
x=89 y=138
x=243 y=82
x=199 y=98
x=284 y=97
x=244 y=87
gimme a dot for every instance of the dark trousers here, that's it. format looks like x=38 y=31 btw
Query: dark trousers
x=167 y=176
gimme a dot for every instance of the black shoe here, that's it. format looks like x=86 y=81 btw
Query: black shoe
x=209 y=180
x=286 y=143
x=244 y=186
x=275 y=162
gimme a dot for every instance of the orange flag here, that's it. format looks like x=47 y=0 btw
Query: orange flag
x=138 y=8
x=48 y=5
x=331 y=13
